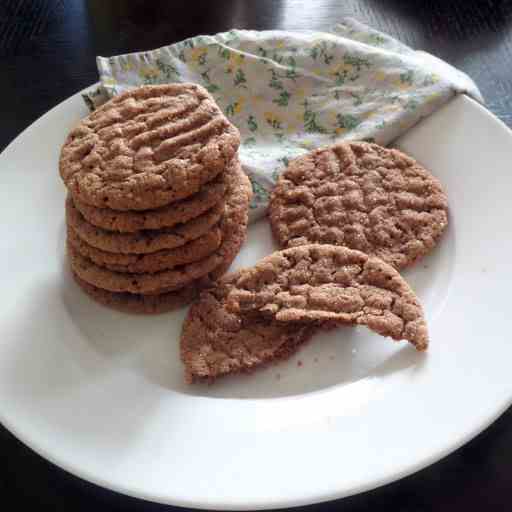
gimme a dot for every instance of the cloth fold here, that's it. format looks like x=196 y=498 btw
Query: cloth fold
x=290 y=92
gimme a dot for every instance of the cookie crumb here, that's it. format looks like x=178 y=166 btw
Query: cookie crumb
x=299 y=363
x=315 y=360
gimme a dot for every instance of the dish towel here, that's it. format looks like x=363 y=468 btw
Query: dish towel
x=289 y=92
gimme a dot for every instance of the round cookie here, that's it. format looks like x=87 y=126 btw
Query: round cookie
x=167 y=216
x=143 y=304
x=151 y=262
x=215 y=342
x=233 y=226
x=363 y=196
x=328 y=283
x=147 y=148
x=142 y=242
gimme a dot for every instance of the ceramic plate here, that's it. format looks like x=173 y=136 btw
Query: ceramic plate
x=101 y=394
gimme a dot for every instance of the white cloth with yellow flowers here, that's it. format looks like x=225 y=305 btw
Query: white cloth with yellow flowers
x=290 y=92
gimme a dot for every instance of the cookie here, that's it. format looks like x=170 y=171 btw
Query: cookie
x=142 y=242
x=144 y=304
x=167 y=216
x=147 y=148
x=215 y=342
x=151 y=262
x=145 y=283
x=324 y=283
x=363 y=196
x=234 y=223
x=233 y=226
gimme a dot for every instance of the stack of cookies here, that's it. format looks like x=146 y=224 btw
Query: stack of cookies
x=158 y=202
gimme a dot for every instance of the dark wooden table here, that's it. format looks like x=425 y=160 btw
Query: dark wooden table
x=47 y=51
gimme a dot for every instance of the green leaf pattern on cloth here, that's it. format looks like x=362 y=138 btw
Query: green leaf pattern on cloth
x=290 y=92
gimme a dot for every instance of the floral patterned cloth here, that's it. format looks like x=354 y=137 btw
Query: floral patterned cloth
x=290 y=92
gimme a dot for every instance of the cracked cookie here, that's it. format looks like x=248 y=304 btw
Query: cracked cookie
x=215 y=342
x=320 y=282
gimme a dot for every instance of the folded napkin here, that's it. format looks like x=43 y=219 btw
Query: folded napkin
x=290 y=92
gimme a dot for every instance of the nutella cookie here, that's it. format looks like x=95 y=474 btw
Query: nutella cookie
x=215 y=342
x=144 y=304
x=363 y=196
x=233 y=226
x=319 y=283
x=151 y=262
x=167 y=216
x=147 y=148
x=145 y=241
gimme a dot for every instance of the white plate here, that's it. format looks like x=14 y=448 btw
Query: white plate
x=101 y=393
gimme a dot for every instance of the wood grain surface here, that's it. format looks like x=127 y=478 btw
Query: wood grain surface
x=47 y=53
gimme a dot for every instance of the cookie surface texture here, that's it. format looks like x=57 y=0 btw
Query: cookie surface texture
x=323 y=283
x=362 y=196
x=215 y=342
x=147 y=148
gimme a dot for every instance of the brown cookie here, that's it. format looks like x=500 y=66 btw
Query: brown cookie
x=320 y=282
x=147 y=148
x=167 y=216
x=215 y=342
x=233 y=226
x=144 y=304
x=151 y=262
x=144 y=284
x=363 y=196
x=142 y=242
x=234 y=222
